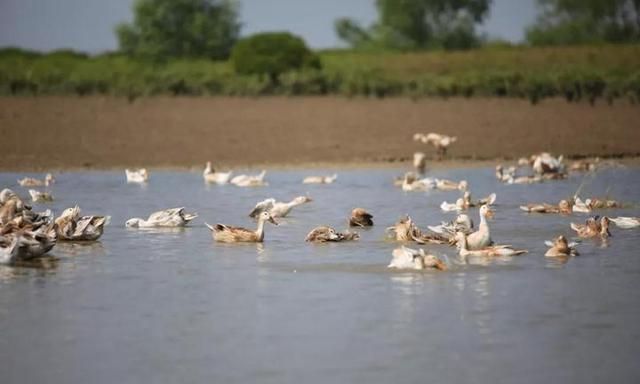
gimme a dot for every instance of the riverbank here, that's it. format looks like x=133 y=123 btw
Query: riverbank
x=40 y=133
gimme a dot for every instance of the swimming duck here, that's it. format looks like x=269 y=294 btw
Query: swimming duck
x=503 y=174
x=70 y=226
x=488 y=251
x=450 y=207
x=320 y=179
x=250 y=180
x=439 y=141
x=561 y=248
x=228 y=234
x=406 y=230
x=37 y=196
x=593 y=228
x=448 y=185
x=584 y=165
x=323 y=234
x=545 y=163
x=211 y=176
x=626 y=222
x=31 y=182
x=595 y=203
x=524 y=179
x=468 y=202
x=407 y=258
x=412 y=183
x=34 y=244
x=462 y=223
x=173 y=217
x=9 y=249
x=482 y=237
x=420 y=162
x=276 y=208
x=563 y=207
x=137 y=175
x=360 y=218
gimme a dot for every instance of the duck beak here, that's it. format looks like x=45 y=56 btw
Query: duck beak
x=490 y=213
x=272 y=221
x=440 y=265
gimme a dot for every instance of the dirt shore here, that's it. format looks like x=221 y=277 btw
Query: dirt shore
x=101 y=132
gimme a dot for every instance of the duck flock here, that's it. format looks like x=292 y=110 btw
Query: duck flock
x=26 y=235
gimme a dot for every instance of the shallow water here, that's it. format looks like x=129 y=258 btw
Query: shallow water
x=173 y=306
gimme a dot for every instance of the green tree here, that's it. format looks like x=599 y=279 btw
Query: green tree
x=419 y=24
x=585 y=21
x=180 y=28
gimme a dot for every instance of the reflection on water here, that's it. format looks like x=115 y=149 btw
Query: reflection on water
x=175 y=306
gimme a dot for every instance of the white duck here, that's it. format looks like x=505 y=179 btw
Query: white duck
x=211 y=176
x=448 y=185
x=451 y=207
x=250 y=180
x=277 y=208
x=37 y=196
x=411 y=183
x=439 y=141
x=482 y=237
x=580 y=206
x=545 y=163
x=420 y=162
x=462 y=223
x=626 y=222
x=70 y=226
x=320 y=179
x=31 y=182
x=174 y=217
x=489 y=251
x=137 y=175
x=407 y=258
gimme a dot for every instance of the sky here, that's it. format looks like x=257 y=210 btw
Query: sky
x=87 y=25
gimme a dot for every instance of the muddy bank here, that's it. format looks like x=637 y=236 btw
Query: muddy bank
x=103 y=132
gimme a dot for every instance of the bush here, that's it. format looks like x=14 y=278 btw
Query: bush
x=272 y=54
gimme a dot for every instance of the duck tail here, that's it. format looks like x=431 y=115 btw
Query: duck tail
x=211 y=228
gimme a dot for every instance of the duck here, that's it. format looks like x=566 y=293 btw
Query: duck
x=360 y=218
x=37 y=196
x=70 y=226
x=276 y=208
x=564 y=207
x=546 y=163
x=451 y=207
x=9 y=249
x=626 y=222
x=211 y=176
x=511 y=179
x=31 y=182
x=487 y=251
x=504 y=174
x=407 y=258
x=323 y=234
x=448 y=185
x=405 y=230
x=584 y=165
x=593 y=228
x=412 y=183
x=173 y=217
x=320 y=179
x=250 y=180
x=137 y=175
x=468 y=202
x=439 y=141
x=462 y=223
x=420 y=162
x=482 y=237
x=561 y=248
x=596 y=203
x=228 y=234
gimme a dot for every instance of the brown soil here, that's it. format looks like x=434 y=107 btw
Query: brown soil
x=70 y=132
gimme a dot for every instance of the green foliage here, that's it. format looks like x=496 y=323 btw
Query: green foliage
x=271 y=54
x=418 y=24
x=164 y=29
x=564 y=22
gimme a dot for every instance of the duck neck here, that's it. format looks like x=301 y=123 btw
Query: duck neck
x=260 y=230
x=208 y=169
x=294 y=203
x=484 y=226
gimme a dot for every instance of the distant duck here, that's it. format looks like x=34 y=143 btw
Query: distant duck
x=70 y=226
x=250 y=180
x=451 y=207
x=405 y=230
x=276 y=208
x=323 y=234
x=482 y=237
x=228 y=234
x=561 y=248
x=504 y=174
x=563 y=207
x=545 y=163
x=320 y=179
x=420 y=162
x=524 y=179
x=407 y=258
x=468 y=202
x=137 y=175
x=580 y=206
x=448 y=185
x=626 y=222
x=439 y=141
x=584 y=165
x=487 y=251
x=38 y=197
x=462 y=223
x=360 y=218
x=211 y=176
x=593 y=228
x=412 y=183
x=174 y=217
x=31 y=182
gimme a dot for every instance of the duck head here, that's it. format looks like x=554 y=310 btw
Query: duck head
x=487 y=212
x=133 y=223
x=429 y=261
x=266 y=216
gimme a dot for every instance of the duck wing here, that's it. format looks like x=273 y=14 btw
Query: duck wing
x=264 y=205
